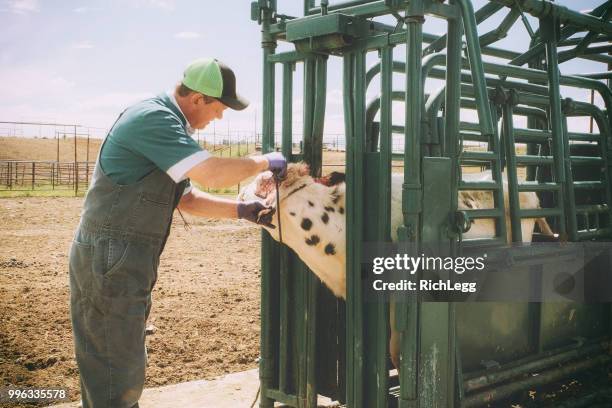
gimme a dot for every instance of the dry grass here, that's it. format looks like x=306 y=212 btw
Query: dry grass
x=19 y=148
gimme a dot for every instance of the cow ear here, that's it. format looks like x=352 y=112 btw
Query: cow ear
x=336 y=178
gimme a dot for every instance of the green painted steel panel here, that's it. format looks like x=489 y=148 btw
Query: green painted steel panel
x=492 y=332
x=436 y=328
x=324 y=26
x=565 y=323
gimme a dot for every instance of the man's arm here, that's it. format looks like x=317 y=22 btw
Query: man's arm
x=198 y=203
x=218 y=172
x=202 y=204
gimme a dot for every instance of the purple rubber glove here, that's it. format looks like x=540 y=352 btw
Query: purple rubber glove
x=277 y=164
x=256 y=212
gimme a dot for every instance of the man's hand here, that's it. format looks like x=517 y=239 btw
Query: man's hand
x=256 y=212
x=277 y=164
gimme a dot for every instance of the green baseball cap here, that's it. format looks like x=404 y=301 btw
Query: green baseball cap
x=213 y=78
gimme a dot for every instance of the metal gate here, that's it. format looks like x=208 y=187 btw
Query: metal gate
x=313 y=344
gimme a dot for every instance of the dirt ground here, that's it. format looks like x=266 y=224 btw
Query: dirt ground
x=205 y=303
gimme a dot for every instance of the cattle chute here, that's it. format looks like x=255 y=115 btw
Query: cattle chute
x=453 y=354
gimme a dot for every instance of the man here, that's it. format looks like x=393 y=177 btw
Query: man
x=141 y=176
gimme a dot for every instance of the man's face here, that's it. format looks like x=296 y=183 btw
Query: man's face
x=203 y=113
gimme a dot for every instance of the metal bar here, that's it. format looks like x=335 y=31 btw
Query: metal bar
x=513 y=194
x=287 y=131
x=482 y=14
x=606 y=59
x=476 y=66
x=367 y=9
x=475 y=137
x=549 y=29
x=483 y=156
x=348 y=104
x=532 y=136
x=452 y=123
x=600 y=233
x=337 y=6
x=591 y=35
x=540 y=212
x=496 y=171
x=594 y=208
x=587 y=160
x=502 y=30
x=308 y=112
x=485 y=213
x=487 y=380
x=545 y=9
x=574 y=41
x=384 y=231
x=479 y=185
x=585 y=137
x=469 y=243
x=409 y=230
x=588 y=185
x=281 y=397
x=289 y=56
x=76 y=166
x=535 y=186
x=549 y=376
x=566 y=32
x=535 y=160
x=597 y=75
x=266 y=362
x=358 y=155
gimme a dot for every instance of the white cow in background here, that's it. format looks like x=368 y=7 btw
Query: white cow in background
x=313 y=220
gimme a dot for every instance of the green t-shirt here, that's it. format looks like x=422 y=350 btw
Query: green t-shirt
x=150 y=134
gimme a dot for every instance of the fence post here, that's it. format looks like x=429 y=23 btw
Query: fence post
x=33 y=172
x=52 y=176
x=76 y=165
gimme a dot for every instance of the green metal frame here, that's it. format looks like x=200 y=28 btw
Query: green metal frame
x=343 y=352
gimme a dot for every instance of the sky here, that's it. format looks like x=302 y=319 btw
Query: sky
x=82 y=62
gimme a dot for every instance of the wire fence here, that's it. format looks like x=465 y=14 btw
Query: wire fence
x=23 y=175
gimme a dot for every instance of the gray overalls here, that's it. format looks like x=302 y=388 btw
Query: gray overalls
x=113 y=267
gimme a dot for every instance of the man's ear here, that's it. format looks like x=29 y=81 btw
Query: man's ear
x=196 y=98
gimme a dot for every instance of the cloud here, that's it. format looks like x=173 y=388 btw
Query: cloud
x=20 y=83
x=187 y=35
x=162 y=4
x=168 y=5
x=84 y=9
x=83 y=45
x=110 y=101
x=23 y=6
x=87 y=110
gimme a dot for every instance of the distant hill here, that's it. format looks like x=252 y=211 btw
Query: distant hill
x=19 y=148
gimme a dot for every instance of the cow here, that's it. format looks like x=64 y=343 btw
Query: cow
x=313 y=219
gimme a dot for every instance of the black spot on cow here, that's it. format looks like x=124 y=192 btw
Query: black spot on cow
x=330 y=249
x=306 y=224
x=330 y=209
x=325 y=218
x=341 y=210
x=292 y=213
x=313 y=240
x=310 y=203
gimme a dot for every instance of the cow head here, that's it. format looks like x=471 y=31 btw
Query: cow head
x=312 y=214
